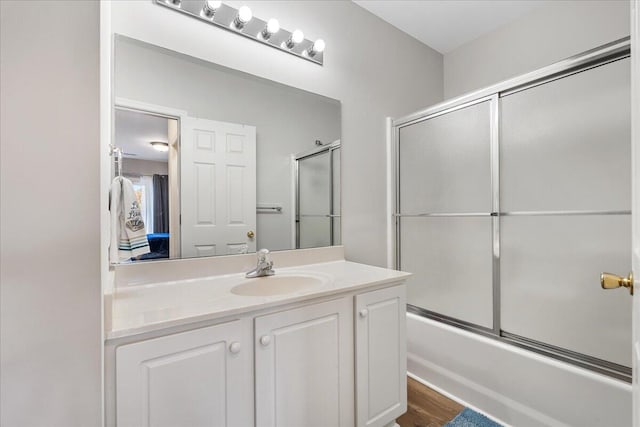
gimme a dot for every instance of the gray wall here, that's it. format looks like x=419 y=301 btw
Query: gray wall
x=144 y=167
x=555 y=31
x=50 y=299
x=287 y=120
x=372 y=68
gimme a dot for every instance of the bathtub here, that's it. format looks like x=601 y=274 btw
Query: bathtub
x=511 y=385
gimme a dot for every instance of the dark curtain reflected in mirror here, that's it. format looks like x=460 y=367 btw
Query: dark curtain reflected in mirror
x=160 y=203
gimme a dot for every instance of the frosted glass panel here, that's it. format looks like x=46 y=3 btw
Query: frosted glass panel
x=452 y=265
x=315 y=184
x=550 y=275
x=565 y=145
x=315 y=232
x=445 y=163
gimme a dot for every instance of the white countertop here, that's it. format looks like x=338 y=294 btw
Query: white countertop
x=144 y=308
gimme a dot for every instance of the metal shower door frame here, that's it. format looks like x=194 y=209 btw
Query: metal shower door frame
x=599 y=56
x=329 y=149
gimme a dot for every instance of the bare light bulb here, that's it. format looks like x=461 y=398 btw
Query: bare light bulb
x=210 y=8
x=296 y=37
x=318 y=47
x=244 y=15
x=272 y=27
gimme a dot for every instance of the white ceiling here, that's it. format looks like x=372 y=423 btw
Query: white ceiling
x=134 y=131
x=446 y=25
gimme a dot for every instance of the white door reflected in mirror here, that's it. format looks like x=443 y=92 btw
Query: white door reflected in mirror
x=218 y=171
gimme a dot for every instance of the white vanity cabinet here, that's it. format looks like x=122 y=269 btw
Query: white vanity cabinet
x=197 y=378
x=304 y=366
x=333 y=362
x=381 y=363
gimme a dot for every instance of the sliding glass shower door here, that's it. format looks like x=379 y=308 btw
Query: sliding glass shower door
x=510 y=206
x=445 y=206
x=566 y=201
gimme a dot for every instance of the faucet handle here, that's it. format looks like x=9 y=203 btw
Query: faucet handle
x=263 y=255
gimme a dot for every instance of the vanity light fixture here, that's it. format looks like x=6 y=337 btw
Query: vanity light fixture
x=272 y=27
x=242 y=22
x=210 y=8
x=318 y=47
x=160 y=146
x=296 y=38
x=243 y=16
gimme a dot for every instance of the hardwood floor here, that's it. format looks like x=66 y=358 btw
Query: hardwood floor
x=427 y=407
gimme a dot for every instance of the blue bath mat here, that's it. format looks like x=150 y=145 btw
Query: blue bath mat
x=470 y=418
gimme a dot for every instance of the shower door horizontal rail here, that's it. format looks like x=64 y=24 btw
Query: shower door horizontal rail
x=560 y=213
x=445 y=214
x=605 y=366
x=513 y=213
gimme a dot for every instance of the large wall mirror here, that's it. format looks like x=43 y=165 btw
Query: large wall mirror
x=223 y=162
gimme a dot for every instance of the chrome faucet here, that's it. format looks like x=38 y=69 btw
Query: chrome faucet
x=264 y=267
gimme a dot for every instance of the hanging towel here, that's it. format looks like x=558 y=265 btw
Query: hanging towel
x=128 y=233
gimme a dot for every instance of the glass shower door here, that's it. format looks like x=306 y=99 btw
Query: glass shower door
x=510 y=206
x=445 y=224
x=565 y=212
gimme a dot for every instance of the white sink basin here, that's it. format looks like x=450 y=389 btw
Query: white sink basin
x=279 y=285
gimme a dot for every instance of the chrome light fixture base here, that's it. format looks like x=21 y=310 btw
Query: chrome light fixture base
x=225 y=17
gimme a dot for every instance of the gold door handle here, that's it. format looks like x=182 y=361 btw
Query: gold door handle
x=613 y=281
x=251 y=234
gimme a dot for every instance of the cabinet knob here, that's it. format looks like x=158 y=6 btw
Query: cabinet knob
x=364 y=312
x=265 y=340
x=234 y=347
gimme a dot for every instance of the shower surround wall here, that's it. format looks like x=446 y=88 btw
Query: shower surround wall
x=554 y=31
x=515 y=385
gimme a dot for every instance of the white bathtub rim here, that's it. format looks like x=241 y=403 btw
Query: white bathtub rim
x=498 y=405
x=622 y=385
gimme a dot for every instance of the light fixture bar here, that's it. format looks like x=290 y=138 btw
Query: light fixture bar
x=229 y=18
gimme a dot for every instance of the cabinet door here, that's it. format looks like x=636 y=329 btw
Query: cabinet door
x=196 y=378
x=304 y=366
x=381 y=362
